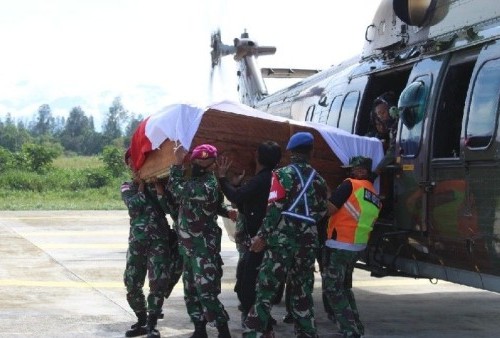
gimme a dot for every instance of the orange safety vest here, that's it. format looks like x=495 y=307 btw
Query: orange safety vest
x=353 y=222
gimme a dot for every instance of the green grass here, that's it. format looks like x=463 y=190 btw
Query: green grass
x=90 y=199
x=62 y=188
x=77 y=162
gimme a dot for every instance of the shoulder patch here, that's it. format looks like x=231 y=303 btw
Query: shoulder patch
x=125 y=187
x=277 y=191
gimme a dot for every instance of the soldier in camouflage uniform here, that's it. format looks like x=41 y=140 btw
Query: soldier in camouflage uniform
x=199 y=236
x=148 y=252
x=298 y=200
x=354 y=206
x=252 y=200
x=170 y=206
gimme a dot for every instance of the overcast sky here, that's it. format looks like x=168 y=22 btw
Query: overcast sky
x=152 y=53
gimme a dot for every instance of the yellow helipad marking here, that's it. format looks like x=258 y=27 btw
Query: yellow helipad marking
x=67 y=217
x=225 y=285
x=83 y=245
x=65 y=284
x=390 y=282
x=82 y=233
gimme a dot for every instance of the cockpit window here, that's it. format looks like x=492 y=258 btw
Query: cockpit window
x=482 y=116
x=412 y=104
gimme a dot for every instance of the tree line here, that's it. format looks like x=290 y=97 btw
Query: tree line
x=75 y=134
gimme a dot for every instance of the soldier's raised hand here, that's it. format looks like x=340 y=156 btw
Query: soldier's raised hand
x=223 y=164
x=179 y=153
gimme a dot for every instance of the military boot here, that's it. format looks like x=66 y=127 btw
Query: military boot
x=223 y=331
x=200 y=330
x=151 y=326
x=288 y=318
x=139 y=328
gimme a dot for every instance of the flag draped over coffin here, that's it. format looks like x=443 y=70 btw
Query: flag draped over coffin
x=177 y=122
x=180 y=123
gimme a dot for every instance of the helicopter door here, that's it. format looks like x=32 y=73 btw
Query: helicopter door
x=481 y=147
x=450 y=220
x=411 y=183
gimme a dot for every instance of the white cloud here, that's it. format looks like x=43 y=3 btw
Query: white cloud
x=153 y=52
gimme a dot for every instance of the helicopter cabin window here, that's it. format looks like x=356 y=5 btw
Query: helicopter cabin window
x=333 y=114
x=411 y=105
x=348 y=112
x=310 y=113
x=483 y=110
x=321 y=111
x=450 y=110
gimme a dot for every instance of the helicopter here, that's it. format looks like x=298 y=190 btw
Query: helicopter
x=441 y=59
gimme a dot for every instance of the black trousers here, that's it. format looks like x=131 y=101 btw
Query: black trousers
x=246 y=277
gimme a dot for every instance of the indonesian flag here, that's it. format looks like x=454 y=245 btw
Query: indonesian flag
x=140 y=145
x=178 y=122
x=277 y=191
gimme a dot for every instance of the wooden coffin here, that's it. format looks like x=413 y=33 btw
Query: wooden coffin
x=158 y=161
x=237 y=136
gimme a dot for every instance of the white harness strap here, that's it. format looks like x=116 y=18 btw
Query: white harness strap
x=301 y=197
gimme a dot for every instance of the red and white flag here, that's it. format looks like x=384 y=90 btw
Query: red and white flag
x=178 y=122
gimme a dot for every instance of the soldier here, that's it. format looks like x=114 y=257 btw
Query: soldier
x=354 y=206
x=252 y=200
x=169 y=205
x=148 y=252
x=298 y=200
x=200 y=200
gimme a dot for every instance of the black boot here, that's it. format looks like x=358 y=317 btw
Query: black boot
x=288 y=318
x=223 y=331
x=200 y=330
x=152 y=331
x=139 y=328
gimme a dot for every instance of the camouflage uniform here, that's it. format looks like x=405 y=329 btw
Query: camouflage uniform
x=291 y=246
x=357 y=206
x=240 y=235
x=148 y=249
x=169 y=205
x=199 y=236
x=337 y=289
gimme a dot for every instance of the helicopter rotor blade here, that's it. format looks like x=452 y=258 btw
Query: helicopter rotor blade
x=219 y=49
x=215 y=41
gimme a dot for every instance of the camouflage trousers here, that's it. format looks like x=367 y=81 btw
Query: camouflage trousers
x=202 y=286
x=175 y=263
x=278 y=262
x=338 y=266
x=149 y=257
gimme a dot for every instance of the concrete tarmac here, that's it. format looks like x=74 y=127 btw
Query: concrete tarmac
x=61 y=276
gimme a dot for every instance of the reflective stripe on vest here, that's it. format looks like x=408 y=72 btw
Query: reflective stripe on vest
x=301 y=197
x=354 y=221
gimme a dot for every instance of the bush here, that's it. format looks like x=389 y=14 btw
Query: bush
x=76 y=183
x=23 y=180
x=113 y=160
x=6 y=159
x=36 y=157
x=96 y=178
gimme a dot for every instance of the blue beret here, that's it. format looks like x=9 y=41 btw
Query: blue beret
x=300 y=139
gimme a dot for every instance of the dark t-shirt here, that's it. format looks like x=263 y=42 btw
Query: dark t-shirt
x=341 y=194
x=251 y=198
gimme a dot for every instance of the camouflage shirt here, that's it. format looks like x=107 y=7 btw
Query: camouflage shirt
x=147 y=221
x=278 y=229
x=200 y=201
x=170 y=205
